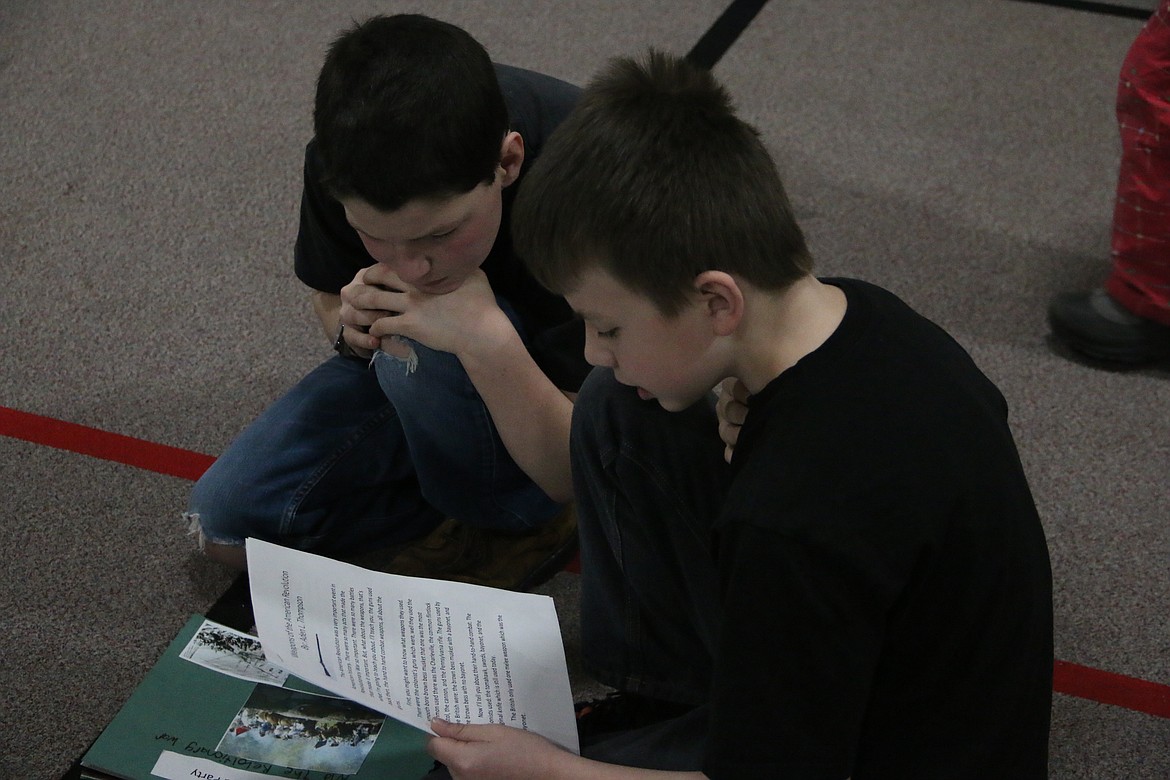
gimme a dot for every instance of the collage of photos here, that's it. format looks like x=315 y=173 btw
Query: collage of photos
x=279 y=725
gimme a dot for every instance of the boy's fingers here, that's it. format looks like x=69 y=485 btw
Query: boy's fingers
x=464 y=732
x=445 y=728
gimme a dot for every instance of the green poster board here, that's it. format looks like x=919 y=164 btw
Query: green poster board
x=189 y=709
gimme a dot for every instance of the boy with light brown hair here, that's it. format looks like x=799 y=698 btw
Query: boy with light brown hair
x=863 y=589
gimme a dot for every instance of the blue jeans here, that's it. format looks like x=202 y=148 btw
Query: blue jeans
x=356 y=457
x=649 y=486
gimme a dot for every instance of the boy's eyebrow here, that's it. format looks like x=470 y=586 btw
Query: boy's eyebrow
x=442 y=227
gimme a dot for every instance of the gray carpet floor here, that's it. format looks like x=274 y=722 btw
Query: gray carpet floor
x=962 y=153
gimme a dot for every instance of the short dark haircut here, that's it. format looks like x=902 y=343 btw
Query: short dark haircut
x=407 y=107
x=654 y=179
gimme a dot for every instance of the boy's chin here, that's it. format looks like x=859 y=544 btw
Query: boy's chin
x=671 y=404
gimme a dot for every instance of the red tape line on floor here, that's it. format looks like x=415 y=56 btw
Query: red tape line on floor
x=1110 y=688
x=103 y=444
x=1068 y=678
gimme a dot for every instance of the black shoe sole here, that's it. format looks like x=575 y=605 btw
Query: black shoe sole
x=1078 y=322
x=1121 y=355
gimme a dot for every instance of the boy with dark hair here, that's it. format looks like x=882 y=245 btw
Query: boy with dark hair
x=451 y=393
x=864 y=589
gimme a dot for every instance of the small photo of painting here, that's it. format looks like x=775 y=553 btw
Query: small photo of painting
x=231 y=652
x=302 y=730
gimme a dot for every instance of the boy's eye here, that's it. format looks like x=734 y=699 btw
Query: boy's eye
x=607 y=334
x=431 y=237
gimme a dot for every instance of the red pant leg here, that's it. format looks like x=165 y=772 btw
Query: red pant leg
x=1140 y=279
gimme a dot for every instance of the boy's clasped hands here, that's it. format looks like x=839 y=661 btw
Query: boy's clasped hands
x=379 y=306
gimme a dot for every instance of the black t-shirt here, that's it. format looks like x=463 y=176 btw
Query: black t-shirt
x=329 y=253
x=886 y=582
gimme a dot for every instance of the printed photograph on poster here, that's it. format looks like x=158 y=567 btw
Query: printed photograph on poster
x=231 y=652
x=302 y=730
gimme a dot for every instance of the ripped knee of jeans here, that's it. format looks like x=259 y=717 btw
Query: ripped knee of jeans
x=195 y=529
x=409 y=358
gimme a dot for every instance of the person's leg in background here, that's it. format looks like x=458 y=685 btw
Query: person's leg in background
x=1128 y=320
x=1140 y=279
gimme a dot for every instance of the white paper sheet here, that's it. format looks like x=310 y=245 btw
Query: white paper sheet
x=175 y=766
x=414 y=648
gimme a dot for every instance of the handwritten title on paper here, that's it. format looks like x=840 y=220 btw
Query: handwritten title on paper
x=193 y=762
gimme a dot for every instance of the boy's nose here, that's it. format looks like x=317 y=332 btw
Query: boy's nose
x=410 y=266
x=596 y=355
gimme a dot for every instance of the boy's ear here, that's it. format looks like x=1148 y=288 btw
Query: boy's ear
x=511 y=156
x=722 y=298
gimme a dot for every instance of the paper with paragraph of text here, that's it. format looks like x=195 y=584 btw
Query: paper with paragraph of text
x=414 y=648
